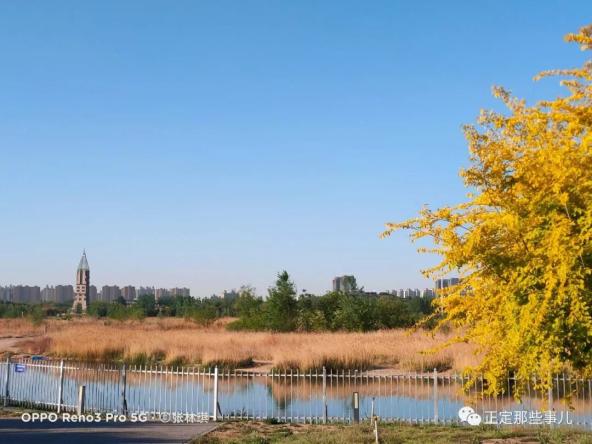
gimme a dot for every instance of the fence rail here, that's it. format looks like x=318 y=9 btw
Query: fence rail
x=290 y=396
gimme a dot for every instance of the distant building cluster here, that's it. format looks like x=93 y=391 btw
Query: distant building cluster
x=23 y=294
x=26 y=294
x=111 y=293
x=414 y=293
x=403 y=293
x=82 y=293
x=62 y=294
x=445 y=283
x=171 y=292
x=229 y=295
x=232 y=295
x=347 y=284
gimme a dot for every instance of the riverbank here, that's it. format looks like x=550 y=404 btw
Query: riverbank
x=260 y=432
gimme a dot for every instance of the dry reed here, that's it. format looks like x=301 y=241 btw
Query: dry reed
x=20 y=327
x=177 y=341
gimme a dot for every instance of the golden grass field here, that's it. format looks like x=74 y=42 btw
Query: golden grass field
x=175 y=341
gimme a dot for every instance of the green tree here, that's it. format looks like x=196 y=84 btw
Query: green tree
x=98 y=308
x=310 y=317
x=117 y=311
x=281 y=305
x=393 y=312
x=247 y=304
x=355 y=313
x=146 y=304
x=36 y=314
x=328 y=305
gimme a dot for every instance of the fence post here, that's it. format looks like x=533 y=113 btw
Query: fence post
x=6 y=381
x=435 y=396
x=123 y=381
x=81 y=395
x=356 y=402
x=372 y=412
x=61 y=387
x=324 y=395
x=376 y=432
x=215 y=416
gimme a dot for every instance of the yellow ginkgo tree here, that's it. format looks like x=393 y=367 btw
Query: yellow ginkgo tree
x=522 y=243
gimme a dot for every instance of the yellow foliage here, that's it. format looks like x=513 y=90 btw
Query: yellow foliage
x=522 y=243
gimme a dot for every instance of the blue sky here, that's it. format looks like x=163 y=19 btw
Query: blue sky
x=211 y=144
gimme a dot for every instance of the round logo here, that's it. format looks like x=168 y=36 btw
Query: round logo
x=165 y=417
x=464 y=413
x=474 y=419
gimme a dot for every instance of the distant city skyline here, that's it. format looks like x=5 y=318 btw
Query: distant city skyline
x=83 y=293
x=110 y=293
x=192 y=144
x=336 y=284
x=21 y=293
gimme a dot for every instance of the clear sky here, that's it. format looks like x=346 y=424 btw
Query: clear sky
x=211 y=144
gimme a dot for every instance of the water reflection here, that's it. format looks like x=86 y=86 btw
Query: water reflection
x=290 y=396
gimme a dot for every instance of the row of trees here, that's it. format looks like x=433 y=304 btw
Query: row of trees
x=145 y=306
x=10 y=310
x=353 y=311
x=281 y=311
x=35 y=312
x=201 y=310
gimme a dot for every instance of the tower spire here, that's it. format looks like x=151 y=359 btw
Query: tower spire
x=82 y=285
x=83 y=265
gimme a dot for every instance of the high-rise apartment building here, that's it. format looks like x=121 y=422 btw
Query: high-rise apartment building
x=48 y=294
x=129 y=293
x=24 y=294
x=92 y=294
x=441 y=284
x=59 y=294
x=144 y=291
x=428 y=293
x=64 y=294
x=161 y=293
x=344 y=284
x=110 y=293
x=180 y=292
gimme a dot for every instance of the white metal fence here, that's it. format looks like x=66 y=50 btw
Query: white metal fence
x=290 y=396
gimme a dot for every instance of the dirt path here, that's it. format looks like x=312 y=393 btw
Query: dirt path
x=10 y=344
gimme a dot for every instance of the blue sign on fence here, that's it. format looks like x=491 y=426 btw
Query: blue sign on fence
x=20 y=368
